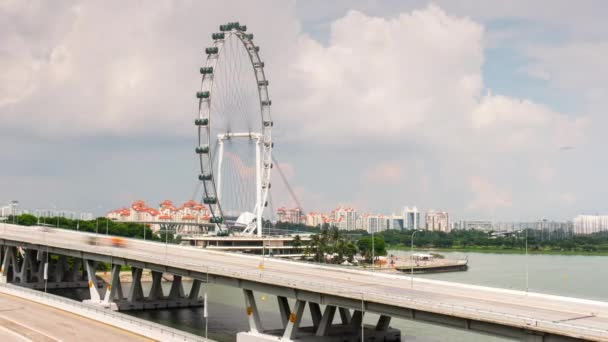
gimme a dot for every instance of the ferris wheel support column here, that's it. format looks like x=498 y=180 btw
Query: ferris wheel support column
x=219 y=169
x=258 y=187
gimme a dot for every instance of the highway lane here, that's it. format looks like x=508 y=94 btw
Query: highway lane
x=515 y=308
x=23 y=320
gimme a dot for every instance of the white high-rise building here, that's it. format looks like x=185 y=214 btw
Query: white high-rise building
x=347 y=218
x=411 y=218
x=589 y=224
x=10 y=209
x=314 y=219
x=437 y=220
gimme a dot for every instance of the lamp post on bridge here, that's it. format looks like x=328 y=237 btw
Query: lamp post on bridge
x=412 y=259
x=373 y=251
x=527 y=267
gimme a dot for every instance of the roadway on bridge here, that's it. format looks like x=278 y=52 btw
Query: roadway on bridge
x=553 y=314
x=23 y=320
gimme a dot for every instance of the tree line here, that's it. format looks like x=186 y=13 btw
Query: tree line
x=99 y=225
x=471 y=239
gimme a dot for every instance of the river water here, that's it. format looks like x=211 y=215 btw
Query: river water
x=576 y=276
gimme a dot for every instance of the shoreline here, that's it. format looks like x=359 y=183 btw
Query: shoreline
x=499 y=251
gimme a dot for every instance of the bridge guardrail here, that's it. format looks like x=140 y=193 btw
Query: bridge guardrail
x=389 y=299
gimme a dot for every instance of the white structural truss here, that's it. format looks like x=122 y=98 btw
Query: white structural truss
x=233 y=72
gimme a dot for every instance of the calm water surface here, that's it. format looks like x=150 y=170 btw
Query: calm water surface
x=576 y=276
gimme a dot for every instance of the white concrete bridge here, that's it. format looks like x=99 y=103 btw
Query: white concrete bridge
x=351 y=293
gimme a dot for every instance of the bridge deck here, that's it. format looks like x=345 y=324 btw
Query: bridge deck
x=377 y=292
x=22 y=320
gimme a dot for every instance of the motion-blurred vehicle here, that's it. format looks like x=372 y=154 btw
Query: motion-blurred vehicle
x=118 y=242
x=91 y=240
x=106 y=241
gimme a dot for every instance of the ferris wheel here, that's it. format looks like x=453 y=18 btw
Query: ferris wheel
x=234 y=131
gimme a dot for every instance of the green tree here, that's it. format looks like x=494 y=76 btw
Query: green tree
x=365 y=247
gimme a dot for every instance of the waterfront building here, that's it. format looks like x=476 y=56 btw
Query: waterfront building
x=437 y=221
x=473 y=225
x=374 y=223
x=345 y=218
x=190 y=211
x=589 y=224
x=314 y=219
x=11 y=208
x=411 y=218
x=396 y=222
x=293 y=216
x=554 y=226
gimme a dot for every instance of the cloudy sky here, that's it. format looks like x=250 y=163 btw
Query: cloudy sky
x=486 y=109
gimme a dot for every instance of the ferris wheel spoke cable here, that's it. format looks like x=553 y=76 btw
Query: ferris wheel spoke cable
x=287 y=185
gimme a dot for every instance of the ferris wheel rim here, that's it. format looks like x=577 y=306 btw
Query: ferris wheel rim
x=207 y=173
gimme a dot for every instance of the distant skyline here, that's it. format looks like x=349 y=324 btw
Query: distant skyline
x=489 y=110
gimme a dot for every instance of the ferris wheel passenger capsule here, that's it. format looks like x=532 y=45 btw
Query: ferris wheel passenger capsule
x=206 y=70
x=201 y=122
x=216 y=219
x=202 y=149
x=210 y=200
x=206 y=177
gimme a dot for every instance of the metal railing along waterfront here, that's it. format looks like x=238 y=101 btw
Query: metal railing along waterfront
x=136 y=325
x=266 y=275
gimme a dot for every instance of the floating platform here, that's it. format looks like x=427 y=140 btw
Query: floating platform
x=434 y=267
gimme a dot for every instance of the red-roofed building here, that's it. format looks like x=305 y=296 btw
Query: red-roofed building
x=139 y=212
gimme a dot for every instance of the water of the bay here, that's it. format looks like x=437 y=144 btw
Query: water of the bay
x=575 y=276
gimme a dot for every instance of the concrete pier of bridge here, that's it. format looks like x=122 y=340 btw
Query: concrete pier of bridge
x=39 y=269
x=350 y=328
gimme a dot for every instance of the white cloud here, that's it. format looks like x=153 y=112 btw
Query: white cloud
x=129 y=69
x=506 y=123
x=384 y=173
x=488 y=197
x=382 y=78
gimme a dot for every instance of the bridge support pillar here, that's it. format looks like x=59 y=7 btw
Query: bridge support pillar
x=315 y=314
x=25 y=267
x=345 y=316
x=136 y=299
x=91 y=267
x=295 y=318
x=9 y=260
x=326 y=320
x=284 y=310
x=323 y=329
x=255 y=324
x=383 y=323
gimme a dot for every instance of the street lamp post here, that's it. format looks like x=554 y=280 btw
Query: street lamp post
x=412 y=260
x=373 y=251
x=527 y=267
